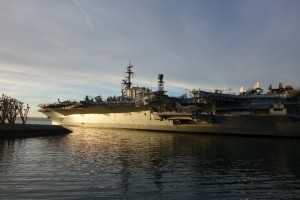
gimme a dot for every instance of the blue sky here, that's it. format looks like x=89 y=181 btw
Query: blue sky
x=71 y=48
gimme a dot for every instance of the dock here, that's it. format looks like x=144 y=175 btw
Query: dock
x=30 y=130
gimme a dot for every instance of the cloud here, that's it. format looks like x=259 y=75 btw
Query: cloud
x=52 y=49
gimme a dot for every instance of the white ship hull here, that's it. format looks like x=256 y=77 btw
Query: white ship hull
x=145 y=120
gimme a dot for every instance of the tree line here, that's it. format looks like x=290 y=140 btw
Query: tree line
x=10 y=108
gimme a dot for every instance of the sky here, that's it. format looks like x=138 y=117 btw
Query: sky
x=67 y=49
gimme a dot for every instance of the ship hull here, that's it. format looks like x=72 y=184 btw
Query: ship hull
x=261 y=125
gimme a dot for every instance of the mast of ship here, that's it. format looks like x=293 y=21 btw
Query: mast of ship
x=126 y=83
x=161 y=88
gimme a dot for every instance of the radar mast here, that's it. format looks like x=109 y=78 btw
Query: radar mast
x=126 y=83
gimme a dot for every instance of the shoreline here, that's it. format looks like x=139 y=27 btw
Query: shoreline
x=30 y=130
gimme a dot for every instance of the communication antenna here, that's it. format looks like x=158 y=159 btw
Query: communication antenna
x=126 y=83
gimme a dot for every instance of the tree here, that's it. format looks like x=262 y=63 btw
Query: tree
x=3 y=108
x=23 y=111
x=10 y=108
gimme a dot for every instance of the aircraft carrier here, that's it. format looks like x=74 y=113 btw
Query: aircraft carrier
x=251 y=112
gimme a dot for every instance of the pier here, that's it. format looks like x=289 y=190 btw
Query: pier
x=30 y=130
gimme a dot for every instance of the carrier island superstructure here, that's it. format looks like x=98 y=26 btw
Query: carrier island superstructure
x=251 y=112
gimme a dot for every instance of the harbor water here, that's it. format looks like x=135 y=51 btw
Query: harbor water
x=125 y=164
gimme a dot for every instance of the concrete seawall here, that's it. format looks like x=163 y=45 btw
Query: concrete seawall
x=30 y=130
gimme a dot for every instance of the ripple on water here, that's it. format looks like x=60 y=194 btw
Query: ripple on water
x=121 y=164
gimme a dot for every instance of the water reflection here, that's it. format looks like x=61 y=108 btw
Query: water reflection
x=121 y=164
x=6 y=152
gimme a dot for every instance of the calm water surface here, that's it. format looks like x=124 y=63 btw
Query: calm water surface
x=123 y=164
